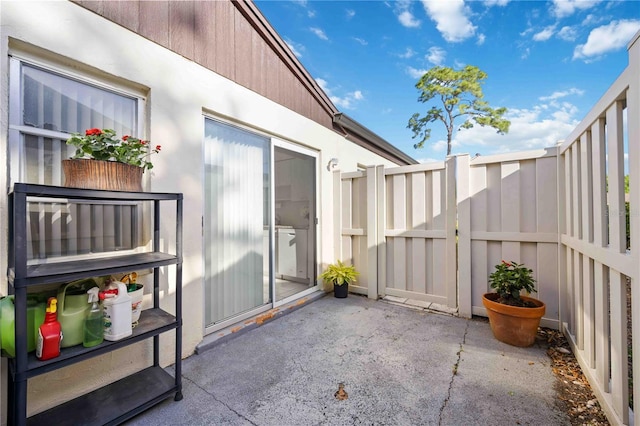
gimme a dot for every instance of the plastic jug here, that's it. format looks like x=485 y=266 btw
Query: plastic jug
x=35 y=317
x=7 y=330
x=73 y=309
x=117 y=313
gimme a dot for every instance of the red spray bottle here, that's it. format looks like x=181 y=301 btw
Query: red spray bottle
x=50 y=333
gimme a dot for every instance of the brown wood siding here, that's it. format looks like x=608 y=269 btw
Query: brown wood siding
x=230 y=38
x=155 y=25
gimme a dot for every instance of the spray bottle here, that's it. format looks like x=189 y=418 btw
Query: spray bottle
x=93 y=323
x=117 y=312
x=49 y=333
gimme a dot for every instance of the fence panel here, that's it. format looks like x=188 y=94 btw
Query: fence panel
x=511 y=214
x=419 y=231
x=598 y=236
x=351 y=217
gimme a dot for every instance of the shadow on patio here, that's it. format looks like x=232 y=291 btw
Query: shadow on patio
x=399 y=366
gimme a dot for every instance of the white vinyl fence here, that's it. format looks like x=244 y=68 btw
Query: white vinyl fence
x=434 y=232
x=508 y=210
x=599 y=275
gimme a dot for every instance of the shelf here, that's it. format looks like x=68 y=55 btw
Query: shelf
x=56 y=272
x=125 y=398
x=113 y=403
x=90 y=194
x=152 y=322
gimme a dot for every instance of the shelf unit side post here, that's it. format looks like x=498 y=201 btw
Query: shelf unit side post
x=178 y=366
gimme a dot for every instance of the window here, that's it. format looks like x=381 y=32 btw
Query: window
x=45 y=107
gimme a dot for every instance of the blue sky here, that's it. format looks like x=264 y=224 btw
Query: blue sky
x=548 y=62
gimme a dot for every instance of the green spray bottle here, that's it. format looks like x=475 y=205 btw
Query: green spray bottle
x=93 y=323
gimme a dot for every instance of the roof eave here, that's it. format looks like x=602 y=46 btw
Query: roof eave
x=379 y=145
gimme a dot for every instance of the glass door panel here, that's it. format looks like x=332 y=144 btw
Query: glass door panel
x=295 y=205
x=236 y=221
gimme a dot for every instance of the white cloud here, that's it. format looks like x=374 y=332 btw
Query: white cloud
x=296 y=48
x=481 y=39
x=436 y=55
x=539 y=127
x=407 y=53
x=441 y=145
x=562 y=94
x=525 y=53
x=317 y=31
x=361 y=41
x=407 y=19
x=592 y=19
x=350 y=13
x=490 y=3
x=415 y=73
x=568 y=33
x=305 y=4
x=452 y=19
x=607 y=38
x=428 y=160
x=545 y=34
x=344 y=102
x=562 y=8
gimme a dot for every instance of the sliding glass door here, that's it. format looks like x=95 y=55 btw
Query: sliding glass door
x=259 y=223
x=236 y=221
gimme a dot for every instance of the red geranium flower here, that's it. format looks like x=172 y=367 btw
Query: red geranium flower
x=104 y=145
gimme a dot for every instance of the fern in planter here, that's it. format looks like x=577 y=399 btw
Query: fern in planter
x=340 y=275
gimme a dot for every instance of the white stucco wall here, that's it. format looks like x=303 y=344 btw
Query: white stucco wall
x=178 y=92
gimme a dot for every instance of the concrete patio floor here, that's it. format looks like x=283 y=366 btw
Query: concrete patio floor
x=399 y=366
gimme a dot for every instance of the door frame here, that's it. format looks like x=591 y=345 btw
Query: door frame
x=235 y=319
x=312 y=263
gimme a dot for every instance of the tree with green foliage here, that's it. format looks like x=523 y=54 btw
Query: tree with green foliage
x=460 y=93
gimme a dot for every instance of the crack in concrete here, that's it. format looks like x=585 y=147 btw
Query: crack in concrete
x=454 y=373
x=221 y=402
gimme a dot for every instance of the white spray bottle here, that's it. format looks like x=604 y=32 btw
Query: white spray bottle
x=117 y=313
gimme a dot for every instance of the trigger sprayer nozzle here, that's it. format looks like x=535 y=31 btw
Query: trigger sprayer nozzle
x=93 y=294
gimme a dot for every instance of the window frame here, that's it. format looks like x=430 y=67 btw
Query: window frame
x=17 y=131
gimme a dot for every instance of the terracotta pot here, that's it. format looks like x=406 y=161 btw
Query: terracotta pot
x=512 y=324
x=96 y=174
x=341 y=291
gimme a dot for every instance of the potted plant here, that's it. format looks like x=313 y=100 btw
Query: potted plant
x=514 y=318
x=102 y=161
x=340 y=275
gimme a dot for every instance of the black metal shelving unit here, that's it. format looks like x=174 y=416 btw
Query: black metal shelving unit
x=123 y=399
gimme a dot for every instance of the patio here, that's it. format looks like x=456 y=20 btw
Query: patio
x=399 y=366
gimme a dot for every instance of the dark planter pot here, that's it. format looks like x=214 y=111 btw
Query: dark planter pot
x=512 y=324
x=341 y=291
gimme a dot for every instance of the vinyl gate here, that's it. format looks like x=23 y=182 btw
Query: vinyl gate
x=432 y=233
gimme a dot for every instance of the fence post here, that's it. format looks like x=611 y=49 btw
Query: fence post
x=337 y=215
x=464 y=236
x=381 y=240
x=633 y=136
x=372 y=234
x=450 y=246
